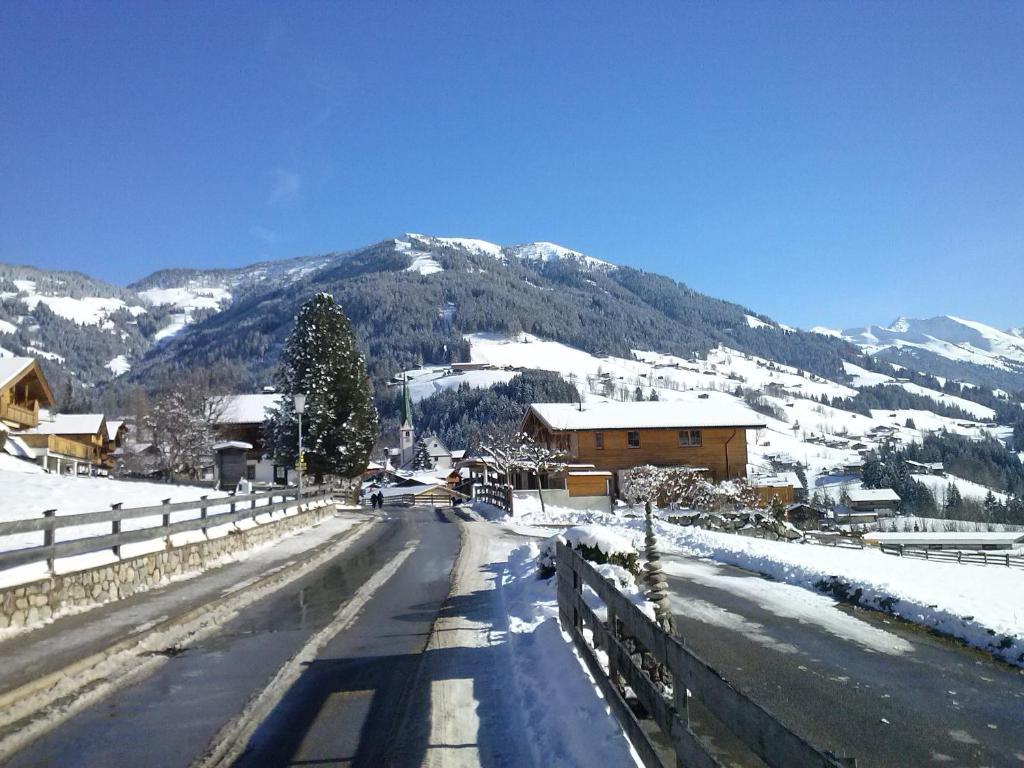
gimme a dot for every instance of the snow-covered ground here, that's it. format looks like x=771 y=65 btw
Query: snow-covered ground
x=28 y=491
x=545 y=689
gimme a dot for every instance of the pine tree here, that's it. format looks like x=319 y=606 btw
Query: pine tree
x=322 y=360
x=421 y=458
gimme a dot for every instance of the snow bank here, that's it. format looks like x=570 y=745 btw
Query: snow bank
x=979 y=605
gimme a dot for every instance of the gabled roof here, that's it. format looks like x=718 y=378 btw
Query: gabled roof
x=247 y=409
x=646 y=415
x=113 y=427
x=873 y=494
x=13 y=368
x=71 y=424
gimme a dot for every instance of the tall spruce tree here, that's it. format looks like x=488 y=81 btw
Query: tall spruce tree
x=321 y=358
x=421 y=458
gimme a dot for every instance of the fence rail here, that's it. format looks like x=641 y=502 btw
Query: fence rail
x=499 y=496
x=827 y=540
x=1004 y=559
x=241 y=507
x=759 y=730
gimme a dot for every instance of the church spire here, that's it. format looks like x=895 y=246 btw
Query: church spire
x=406 y=403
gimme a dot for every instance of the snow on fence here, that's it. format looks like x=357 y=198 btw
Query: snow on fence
x=239 y=508
x=758 y=729
x=1005 y=559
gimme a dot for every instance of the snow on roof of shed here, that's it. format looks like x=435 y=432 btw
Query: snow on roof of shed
x=227 y=444
x=12 y=367
x=247 y=409
x=112 y=428
x=873 y=494
x=71 y=424
x=645 y=415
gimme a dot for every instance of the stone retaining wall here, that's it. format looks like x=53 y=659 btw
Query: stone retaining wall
x=25 y=605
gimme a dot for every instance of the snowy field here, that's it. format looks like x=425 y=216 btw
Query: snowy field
x=28 y=491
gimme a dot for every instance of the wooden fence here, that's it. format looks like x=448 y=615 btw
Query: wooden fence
x=241 y=507
x=758 y=729
x=829 y=540
x=1005 y=559
x=499 y=496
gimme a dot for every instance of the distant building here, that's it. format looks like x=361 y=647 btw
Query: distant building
x=619 y=436
x=69 y=442
x=882 y=501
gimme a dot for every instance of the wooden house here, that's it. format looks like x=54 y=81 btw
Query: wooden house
x=69 y=441
x=240 y=419
x=614 y=437
x=23 y=391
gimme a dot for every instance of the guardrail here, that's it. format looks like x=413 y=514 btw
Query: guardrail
x=499 y=496
x=1004 y=559
x=50 y=523
x=758 y=729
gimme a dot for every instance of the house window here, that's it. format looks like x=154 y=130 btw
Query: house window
x=599 y=440
x=250 y=472
x=633 y=439
x=689 y=438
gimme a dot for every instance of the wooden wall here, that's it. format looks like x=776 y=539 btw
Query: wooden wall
x=660 y=447
x=588 y=485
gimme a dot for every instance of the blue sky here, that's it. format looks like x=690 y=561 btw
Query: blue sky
x=823 y=163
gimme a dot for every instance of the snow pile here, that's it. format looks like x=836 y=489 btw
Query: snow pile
x=979 y=605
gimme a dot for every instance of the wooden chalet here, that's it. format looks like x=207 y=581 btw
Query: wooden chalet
x=23 y=391
x=68 y=441
x=614 y=437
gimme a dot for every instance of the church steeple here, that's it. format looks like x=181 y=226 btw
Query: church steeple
x=406 y=433
x=406 y=404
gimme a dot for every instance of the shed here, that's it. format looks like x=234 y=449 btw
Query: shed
x=230 y=463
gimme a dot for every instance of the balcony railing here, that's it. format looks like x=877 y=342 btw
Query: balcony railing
x=61 y=445
x=27 y=416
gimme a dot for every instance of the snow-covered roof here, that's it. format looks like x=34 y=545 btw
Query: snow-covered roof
x=240 y=444
x=12 y=367
x=247 y=409
x=873 y=494
x=645 y=415
x=970 y=538
x=781 y=480
x=70 y=424
x=112 y=428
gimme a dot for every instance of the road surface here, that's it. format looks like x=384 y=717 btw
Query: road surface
x=325 y=671
x=854 y=681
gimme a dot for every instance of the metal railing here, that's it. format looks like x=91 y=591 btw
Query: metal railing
x=758 y=729
x=1005 y=559
x=240 y=507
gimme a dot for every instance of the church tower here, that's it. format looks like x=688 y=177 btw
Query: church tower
x=406 y=433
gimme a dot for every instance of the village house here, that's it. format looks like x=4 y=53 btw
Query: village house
x=73 y=442
x=615 y=437
x=239 y=421
x=23 y=392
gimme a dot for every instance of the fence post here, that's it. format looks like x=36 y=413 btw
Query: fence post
x=202 y=514
x=49 y=538
x=984 y=557
x=166 y=521
x=1007 y=559
x=115 y=528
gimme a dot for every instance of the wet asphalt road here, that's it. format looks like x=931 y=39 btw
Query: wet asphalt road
x=346 y=708
x=849 y=680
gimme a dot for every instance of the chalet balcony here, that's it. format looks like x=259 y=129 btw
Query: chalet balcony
x=61 y=446
x=25 y=416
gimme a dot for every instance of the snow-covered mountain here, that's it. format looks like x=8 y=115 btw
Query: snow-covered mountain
x=947 y=346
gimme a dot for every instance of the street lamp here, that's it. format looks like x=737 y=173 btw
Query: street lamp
x=300 y=408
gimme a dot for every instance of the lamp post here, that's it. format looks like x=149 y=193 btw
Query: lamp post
x=300 y=408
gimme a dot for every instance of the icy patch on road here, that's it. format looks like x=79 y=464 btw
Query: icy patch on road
x=717 y=616
x=789 y=602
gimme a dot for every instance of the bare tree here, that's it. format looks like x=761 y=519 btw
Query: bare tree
x=517 y=451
